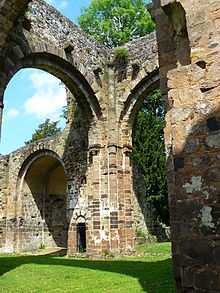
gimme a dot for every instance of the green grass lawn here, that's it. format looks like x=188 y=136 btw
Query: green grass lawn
x=164 y=248
x=152 y=274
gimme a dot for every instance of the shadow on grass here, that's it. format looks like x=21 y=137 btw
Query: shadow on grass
x=148 y=273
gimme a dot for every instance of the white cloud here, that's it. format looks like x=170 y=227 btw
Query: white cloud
x=48 y=98
x=58 y=4
x=12 y=113
x=63 y=4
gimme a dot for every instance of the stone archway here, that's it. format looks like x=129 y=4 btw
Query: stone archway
x=63 y=70
x=143 y=214
x=64 y=54
x=92 y=75
x=42 y=203
x=188 y=42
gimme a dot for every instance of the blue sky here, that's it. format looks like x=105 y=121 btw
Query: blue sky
x=70 y=8
x=34 y=95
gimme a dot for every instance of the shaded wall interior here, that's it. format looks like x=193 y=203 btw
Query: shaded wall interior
x=190 y=85
x=44 y=205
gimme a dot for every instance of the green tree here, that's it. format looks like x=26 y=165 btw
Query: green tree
x=44 y=130
x=65 y=111
x=149 y=153
x=115 y=22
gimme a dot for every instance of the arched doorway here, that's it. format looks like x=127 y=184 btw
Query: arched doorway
x=42 y=203
x=81 y=234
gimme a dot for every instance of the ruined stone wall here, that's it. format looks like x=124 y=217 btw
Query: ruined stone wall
x=23 y=209
x=10 y=11
x=96 y=146
x=109 y=93
x=188 y=37
x=23 y=205
x=71 y=55
x=80 y=49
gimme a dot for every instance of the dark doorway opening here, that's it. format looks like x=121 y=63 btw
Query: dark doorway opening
x=81 y=237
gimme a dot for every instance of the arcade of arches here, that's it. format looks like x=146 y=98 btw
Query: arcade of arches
x=93 y=153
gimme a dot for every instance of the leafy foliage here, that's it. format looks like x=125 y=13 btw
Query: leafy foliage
x=69 y=111
x=45 y=130
x=149 y=153
x=65 y=111
x=115 y=22
x=42 y=246
x=121 y=52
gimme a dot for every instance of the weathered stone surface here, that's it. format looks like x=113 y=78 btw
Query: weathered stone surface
x=109 y=93
x=95 y=147
x=190 y=79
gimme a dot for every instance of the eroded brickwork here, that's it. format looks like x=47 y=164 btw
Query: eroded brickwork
x=188 y=34
x=95 y=148
x=3 y=198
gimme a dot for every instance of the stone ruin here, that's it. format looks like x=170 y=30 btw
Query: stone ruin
x=188 y=37
x=88 y=168
x=63 y=175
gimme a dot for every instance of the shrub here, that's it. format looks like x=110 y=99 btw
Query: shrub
x=42 y=246
x=121 y=53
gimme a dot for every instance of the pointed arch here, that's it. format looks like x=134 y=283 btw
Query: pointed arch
x=135 y=99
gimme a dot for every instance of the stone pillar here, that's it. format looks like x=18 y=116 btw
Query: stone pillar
x=188 y=38
x=3 y=200
x=109 y=177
